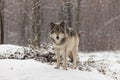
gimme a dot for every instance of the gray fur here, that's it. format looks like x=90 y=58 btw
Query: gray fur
x=64 y=39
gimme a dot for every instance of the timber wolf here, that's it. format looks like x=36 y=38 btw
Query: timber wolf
x=65 y=40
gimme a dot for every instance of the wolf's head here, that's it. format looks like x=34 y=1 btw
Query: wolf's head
x=58 y=33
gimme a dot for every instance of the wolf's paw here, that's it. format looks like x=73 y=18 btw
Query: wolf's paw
x=74 y=67
x=65 y=69
x=57 y=67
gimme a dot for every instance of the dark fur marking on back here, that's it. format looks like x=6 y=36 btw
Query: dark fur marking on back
x=70 y=32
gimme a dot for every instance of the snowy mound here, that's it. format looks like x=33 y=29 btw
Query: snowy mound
x=10 y=49
x=107 y=63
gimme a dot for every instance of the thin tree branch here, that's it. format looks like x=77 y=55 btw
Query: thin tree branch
x=106 y=23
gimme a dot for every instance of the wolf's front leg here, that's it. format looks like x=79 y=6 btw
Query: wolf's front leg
x=58 y=58
x=65 y=61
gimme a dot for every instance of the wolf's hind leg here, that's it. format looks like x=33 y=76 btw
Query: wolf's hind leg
x=74 y=53
x=70 y=55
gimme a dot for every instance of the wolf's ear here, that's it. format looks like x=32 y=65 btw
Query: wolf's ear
x=62 y=24
x=52 y=25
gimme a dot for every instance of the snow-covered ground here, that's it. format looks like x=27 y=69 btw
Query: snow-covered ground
x=33 y=70
x=92 y=66
x=107 y=63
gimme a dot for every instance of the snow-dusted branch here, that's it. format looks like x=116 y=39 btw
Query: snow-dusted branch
x=48 y=7
x=9 y=12
x=106 y=23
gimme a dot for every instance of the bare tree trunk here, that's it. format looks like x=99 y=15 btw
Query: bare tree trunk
x=81 y=45
x=66 y=12
x=23 y=9
x=36 y=22
x=0 y=20
x=26 y=10
x=1 y=23
x=69 y=13
x=78 y=15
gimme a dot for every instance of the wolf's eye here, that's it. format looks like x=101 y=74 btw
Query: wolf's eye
x=61 y=31
x=53 y=32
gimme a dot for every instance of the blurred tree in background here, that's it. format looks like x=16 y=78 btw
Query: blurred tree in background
x=22 y=21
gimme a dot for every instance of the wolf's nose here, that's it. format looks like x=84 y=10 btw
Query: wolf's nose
x=57 y=37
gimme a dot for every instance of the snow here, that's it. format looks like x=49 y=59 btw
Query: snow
x=109 y=61
x=10 y=49
x=109 y=55
x=92 y=66
x=33 y=70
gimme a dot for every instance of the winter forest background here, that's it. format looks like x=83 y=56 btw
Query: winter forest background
x=28 y=21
